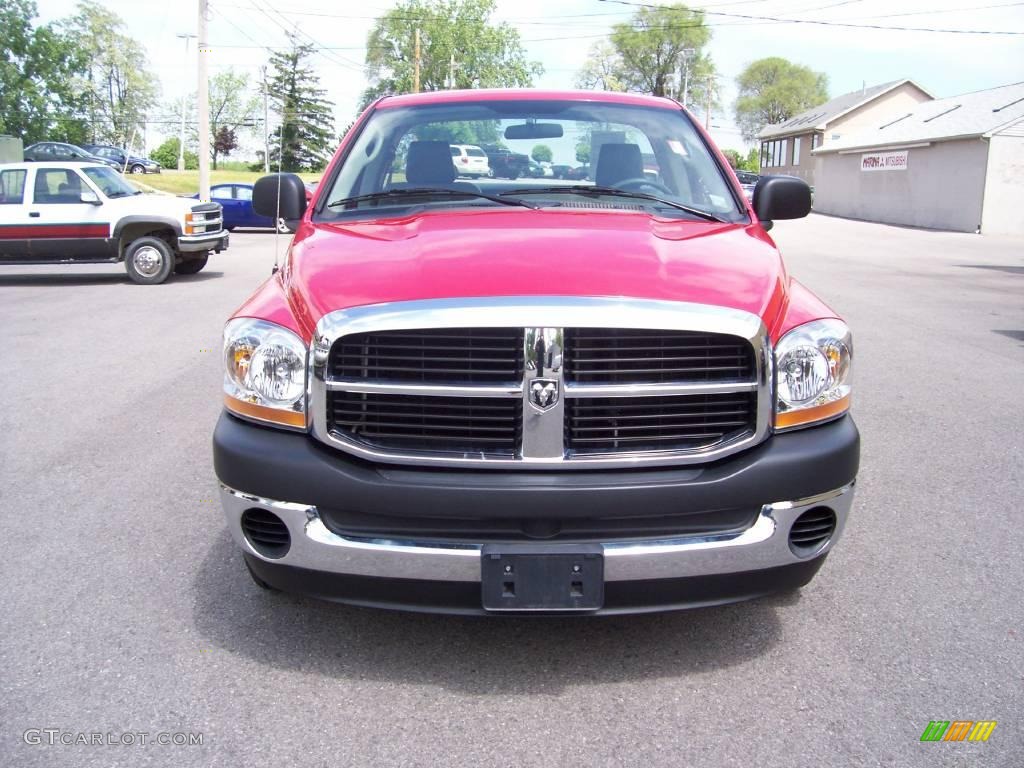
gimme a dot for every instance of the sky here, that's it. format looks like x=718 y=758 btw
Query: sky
x=559 y=33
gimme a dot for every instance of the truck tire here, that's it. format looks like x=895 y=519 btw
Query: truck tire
x=148 y=260
x=191 y=266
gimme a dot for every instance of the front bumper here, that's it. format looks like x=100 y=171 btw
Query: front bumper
x=290 y=475
x=213 y=241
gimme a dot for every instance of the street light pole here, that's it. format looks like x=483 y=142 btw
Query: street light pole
x=186 y=36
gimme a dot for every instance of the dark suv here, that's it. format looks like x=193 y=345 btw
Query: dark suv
x=129 y=163
x=505 y=163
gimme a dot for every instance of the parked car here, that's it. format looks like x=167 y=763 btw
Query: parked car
x=86 y=213
x=748 y=181
x=490 y=398
x=561 y=171
x=51 y=151
x=506 y=164
x=580 y=173
x=236 y=201
x=535 y=170
x=125 y=162
x=469 y=160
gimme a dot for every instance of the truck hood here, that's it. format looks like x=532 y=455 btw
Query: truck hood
x=519 y=252
x=167 y=206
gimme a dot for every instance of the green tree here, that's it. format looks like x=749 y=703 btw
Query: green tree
x=233 y=105
x=583 y=152
x=649 y=52
x=541 y=153
x=115 y=81
x=456 y=39
x=772 y=90
x=167 y=155
x=37 y=65
x=734 y=157
x=752 y=162
x=302 y=142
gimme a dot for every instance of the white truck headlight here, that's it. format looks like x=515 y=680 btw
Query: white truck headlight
x=265 y=372
x=813 y=363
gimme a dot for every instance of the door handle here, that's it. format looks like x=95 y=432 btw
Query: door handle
x=33 y=214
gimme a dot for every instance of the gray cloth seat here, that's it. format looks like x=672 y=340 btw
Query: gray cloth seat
x=429 y=164
x=618 y=162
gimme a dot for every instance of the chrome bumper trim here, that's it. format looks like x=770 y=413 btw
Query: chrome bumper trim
x=763 y=545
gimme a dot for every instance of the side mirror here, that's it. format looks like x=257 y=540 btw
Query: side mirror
x=265 y=198
x=781 y=197
x=90 y=197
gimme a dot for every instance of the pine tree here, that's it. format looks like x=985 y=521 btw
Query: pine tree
x=302 y=142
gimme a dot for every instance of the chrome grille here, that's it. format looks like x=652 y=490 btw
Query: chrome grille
x=446 y=424
x=540 y=382
x=441 y=356
x=626 y=355
x=687 y=422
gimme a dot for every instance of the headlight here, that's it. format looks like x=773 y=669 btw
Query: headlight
x=813 y=365
x=265 y=372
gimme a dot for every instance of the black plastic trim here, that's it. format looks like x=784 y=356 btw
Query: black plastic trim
x=293 y=467
x=463 y=597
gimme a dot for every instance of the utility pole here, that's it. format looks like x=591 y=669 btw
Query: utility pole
x=707 y=90
x=686 y=73
x=266 y=124
x=204 y=105
x=451 y=72
x=416 y=69
x=184 y=96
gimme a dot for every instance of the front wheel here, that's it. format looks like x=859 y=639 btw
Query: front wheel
x=192 y=266
x=137 y=169
x=148 y=260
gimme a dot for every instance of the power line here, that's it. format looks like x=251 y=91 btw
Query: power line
x=819 y=22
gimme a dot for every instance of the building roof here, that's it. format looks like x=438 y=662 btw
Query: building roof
x=817 y=118
x=976 y=114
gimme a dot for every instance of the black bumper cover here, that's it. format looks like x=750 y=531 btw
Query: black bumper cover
x=292 y=467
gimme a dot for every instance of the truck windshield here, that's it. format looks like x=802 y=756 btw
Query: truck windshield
x=110 y=183
x=653 y=152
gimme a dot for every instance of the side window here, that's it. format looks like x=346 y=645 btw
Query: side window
x=60 y=152
x=57 y=186
x=456 y=151
x=243 y=193
x=12 y=186
x=221 y=193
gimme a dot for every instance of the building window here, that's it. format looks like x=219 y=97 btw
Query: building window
x=796 y=151
x=783 y=157
x=815 y=141
x=764 y=154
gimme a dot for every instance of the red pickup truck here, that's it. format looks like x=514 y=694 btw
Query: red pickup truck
x=537 y=395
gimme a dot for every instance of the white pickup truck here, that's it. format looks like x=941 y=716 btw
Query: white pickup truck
x=85 y=213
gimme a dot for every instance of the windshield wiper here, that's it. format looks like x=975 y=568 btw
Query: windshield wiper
x=595 y=191
x=429 y=192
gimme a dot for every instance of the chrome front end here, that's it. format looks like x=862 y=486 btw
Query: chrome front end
x=764 y=544
x=543 y=389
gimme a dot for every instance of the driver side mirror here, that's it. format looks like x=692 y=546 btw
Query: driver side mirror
x=781 y=197
x=292 y=197
x=91 y=198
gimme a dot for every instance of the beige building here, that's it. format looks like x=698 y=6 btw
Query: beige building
x=954 y=164
x=786 y=147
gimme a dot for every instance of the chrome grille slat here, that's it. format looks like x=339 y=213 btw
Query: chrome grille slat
x=453 y=382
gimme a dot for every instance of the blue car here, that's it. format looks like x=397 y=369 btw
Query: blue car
x=236 y=200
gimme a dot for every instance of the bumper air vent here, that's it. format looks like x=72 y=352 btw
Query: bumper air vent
x=811 y=530
x=266 y=532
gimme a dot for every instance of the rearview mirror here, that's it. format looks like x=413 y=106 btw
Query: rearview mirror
x=292 y=198
x=534 y=131
x=781 y=197
x=90 y=197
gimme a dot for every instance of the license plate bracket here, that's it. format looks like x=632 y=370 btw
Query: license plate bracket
x=523 y=577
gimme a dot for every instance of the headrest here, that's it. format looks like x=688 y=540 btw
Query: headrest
x=618 y=162
x=429 y=162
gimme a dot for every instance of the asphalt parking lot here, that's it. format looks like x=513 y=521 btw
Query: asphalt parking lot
x=126 y=607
